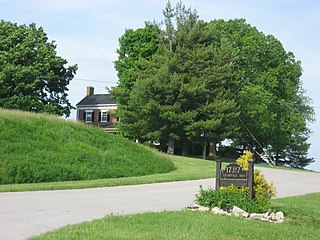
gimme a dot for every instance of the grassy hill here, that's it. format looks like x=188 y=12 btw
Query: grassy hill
x=43 y=148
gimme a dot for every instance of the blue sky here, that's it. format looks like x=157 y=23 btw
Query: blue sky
x=87 y=32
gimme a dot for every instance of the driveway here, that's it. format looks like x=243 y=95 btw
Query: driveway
x=24 y=214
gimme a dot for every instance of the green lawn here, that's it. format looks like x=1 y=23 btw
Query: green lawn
x=44 y=152
x=186 y=169
x=44 y=148
x=302 y=213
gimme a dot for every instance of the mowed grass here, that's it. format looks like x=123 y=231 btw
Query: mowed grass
x=42 y=148
x=302 y=214
x=185 y=169
x=20 y=147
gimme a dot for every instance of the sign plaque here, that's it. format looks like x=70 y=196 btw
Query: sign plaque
x=233 y=174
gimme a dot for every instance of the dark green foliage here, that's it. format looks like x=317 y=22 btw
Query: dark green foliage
x=194 y=83
x=226 y=200
x=135 y=45
x=179 y=92
x=40 y=148
x=269 y=93
x=297 y=153
x=32 y=76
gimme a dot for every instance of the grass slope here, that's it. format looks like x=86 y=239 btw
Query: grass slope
x=185 y=169
x=302 y=213
x=43 y=148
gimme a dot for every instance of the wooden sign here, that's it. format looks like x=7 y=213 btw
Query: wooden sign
x=233 y=174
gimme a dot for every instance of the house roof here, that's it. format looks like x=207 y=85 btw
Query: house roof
x=96 y=99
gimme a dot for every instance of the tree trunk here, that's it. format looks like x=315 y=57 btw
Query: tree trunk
x=204 y=150
x=185 y=148
x=170 y=149
x=213 y=150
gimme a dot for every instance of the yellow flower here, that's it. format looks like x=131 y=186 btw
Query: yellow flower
x=261 y=187
x=243 y=160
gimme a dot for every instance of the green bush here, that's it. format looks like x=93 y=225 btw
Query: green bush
x=262 y=189
x=226 y=199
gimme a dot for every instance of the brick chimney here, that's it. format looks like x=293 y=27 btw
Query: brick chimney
x=90 y=90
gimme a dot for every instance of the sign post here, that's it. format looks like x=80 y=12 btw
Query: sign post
x=233 y=174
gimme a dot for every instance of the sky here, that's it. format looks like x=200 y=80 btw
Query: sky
x=86 y=33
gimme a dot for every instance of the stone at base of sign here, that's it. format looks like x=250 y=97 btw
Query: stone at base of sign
x=275 y=217
x=199 y=208
x=238 y=212
x=219 y=211
x=203 y=209
x=258 y=216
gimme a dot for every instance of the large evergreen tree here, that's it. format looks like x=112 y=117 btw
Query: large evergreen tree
x=179 y=93
x=32 y=76
x=200 y=83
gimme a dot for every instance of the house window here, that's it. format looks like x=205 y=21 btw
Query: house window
x=89 y=116
x=105 y=117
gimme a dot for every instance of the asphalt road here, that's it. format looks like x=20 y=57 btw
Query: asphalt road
x=24 y=214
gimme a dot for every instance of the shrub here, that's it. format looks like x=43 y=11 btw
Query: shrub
x=243 y=160
x=261 y=186
x=227 y=199
x=262 y=189
x=237 y=196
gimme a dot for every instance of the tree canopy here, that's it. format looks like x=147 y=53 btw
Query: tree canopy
x=32 y=76
x=274 y=112
x=192 y=83
x=178 y=92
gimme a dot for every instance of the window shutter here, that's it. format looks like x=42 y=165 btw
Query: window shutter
x=84 y=116
x=108 y=117
x=100 y=116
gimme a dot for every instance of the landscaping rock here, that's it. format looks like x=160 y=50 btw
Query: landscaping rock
x=272 y=216
x=276 y=217
x=219 y=211
x=203 y=209
x=257 y=216
x=193 y=207
x=279 y=217
x=239 y=212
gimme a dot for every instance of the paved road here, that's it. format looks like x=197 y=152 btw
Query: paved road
x=25 y=214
